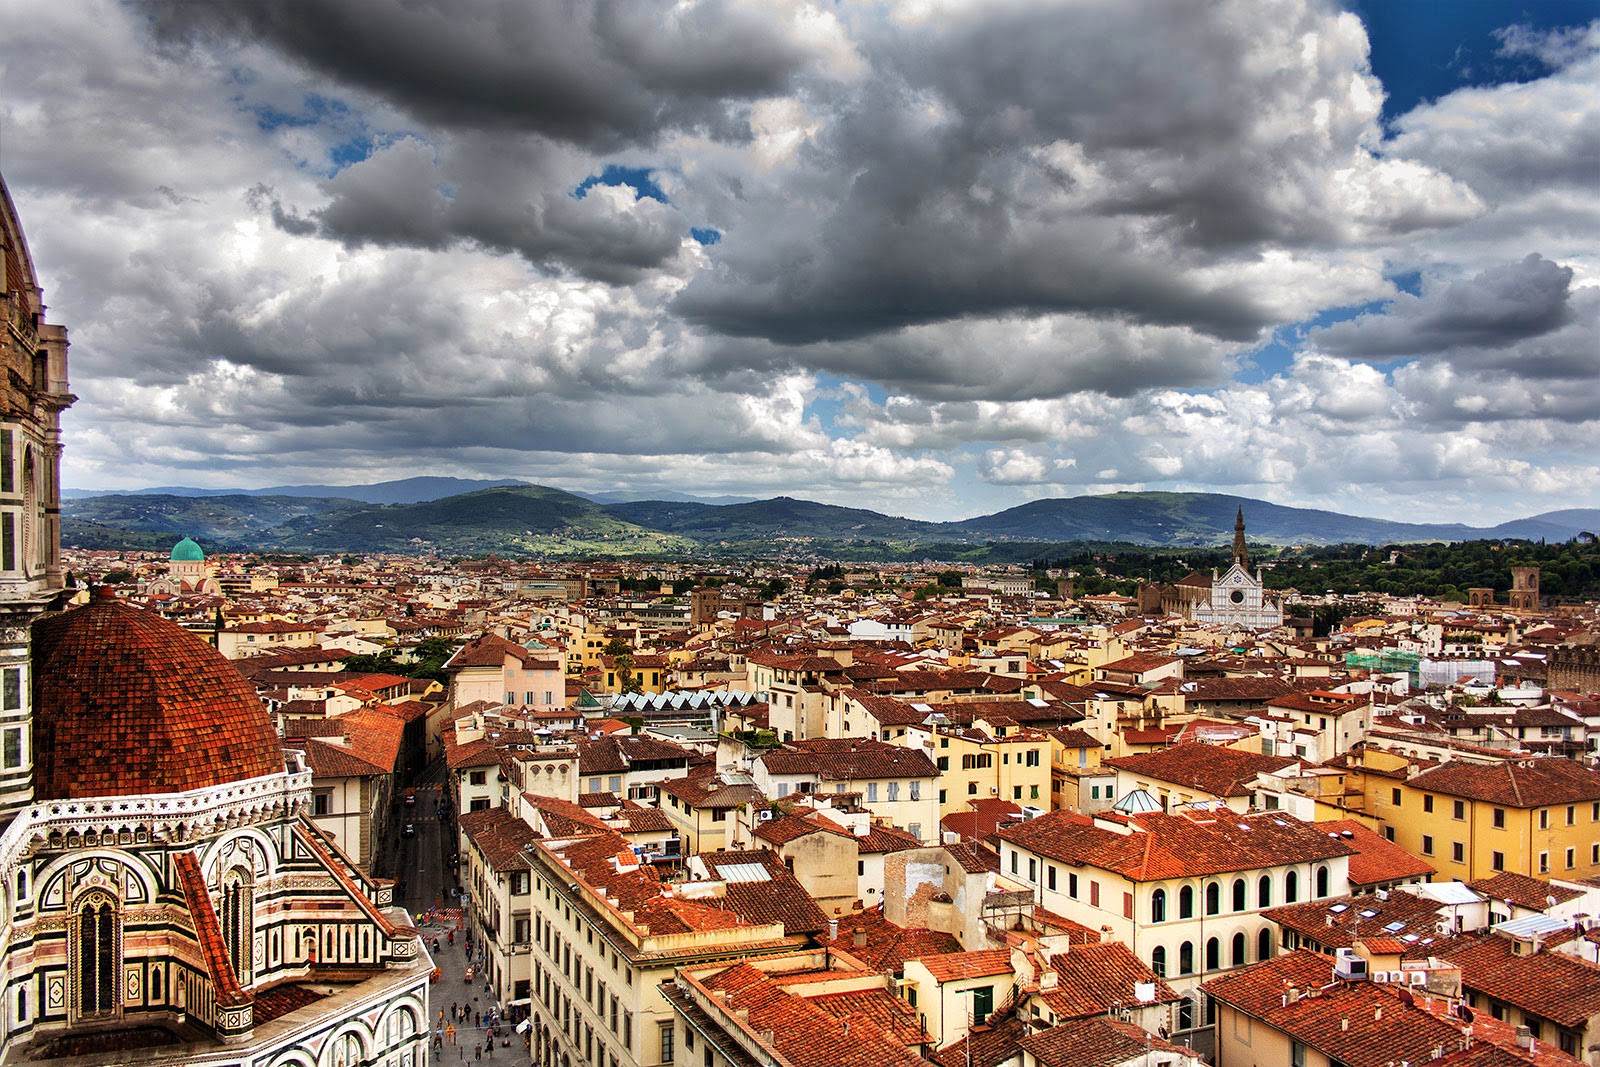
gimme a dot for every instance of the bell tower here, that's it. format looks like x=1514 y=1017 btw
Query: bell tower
x=33 y=393
x=1241 y=554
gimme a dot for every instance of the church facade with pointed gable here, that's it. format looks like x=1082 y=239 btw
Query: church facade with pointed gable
x=164 y=895
x=1237 y=597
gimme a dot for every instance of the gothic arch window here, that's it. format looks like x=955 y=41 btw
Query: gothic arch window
x=345 y=1052
x=30 y=518
x=238 y=927
x=96 y=955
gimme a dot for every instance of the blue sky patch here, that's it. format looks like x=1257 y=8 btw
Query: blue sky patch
x=1425 y=49
x=706 y=235
x=636 y=178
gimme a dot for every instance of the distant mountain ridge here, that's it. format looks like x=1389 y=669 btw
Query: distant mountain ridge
x=520 y=518
x=401 y=491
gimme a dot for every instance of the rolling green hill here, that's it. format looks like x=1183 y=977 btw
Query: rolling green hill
x=1194 y=519
x=538 y=520
x=781 y=516
x=511 y=520
x=217 y=520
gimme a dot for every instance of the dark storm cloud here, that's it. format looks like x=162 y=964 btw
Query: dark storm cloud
x=1014 y=358
x=591 y=72
x=1499 y=308
x=501 y=196
x=1111 y=159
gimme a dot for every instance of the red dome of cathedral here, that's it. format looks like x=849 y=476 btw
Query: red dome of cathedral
x=127 y=703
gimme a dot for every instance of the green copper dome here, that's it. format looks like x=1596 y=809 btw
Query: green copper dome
x=186 y=551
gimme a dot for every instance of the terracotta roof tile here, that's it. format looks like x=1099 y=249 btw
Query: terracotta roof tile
x=1222 y=772
x=805 y=1034
x=1096 y=977
x=1360 y=1024
x=1523 y=890
x=1099 y=1043
x=1376 y=859
x=1173 y=846
x=1550 y=985
x=1531 y=783
x=126 y=702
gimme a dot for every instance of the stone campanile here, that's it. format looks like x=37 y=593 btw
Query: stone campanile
x=33 y=394
x=1524 y=588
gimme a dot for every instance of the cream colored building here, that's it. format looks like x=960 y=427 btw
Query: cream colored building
x=1186 y=893
x=608 y=935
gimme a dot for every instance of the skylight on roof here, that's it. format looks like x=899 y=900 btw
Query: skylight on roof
x=1338 y=908
x=1393 y=927
x=1368 y=913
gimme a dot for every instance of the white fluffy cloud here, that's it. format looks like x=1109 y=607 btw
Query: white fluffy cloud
x=965 y=253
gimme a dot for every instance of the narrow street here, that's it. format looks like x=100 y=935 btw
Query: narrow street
x=419 y=859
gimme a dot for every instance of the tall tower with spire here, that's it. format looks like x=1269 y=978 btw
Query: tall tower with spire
x=1238 y=598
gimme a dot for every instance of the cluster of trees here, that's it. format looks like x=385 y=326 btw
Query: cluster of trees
x=427 y=661
x=1568 y=569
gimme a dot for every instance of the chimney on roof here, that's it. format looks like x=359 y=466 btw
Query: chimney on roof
x=833 y=929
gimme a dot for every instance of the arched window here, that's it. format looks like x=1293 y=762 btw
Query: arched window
x=1186 y=958
x=1322 y=881
x=1238 y=894
x=1213 y=954
x=1264 y=944
x=1158 y=961
x=1213 y=898
x=97 y=955
x=1185 y=1014
x=346 y=1051
x=1291 y=887
x=238 y=928
x=1158 y=906
x=1236 y=956
x=1186 y=902
x=1264 y=892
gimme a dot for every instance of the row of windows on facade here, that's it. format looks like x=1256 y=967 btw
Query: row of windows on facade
x=1497 y=860
x=891 y=790
x=983 y=760
x=531 y=697
x=1497 y=816
x=1016 y=792
x=1186 y=894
